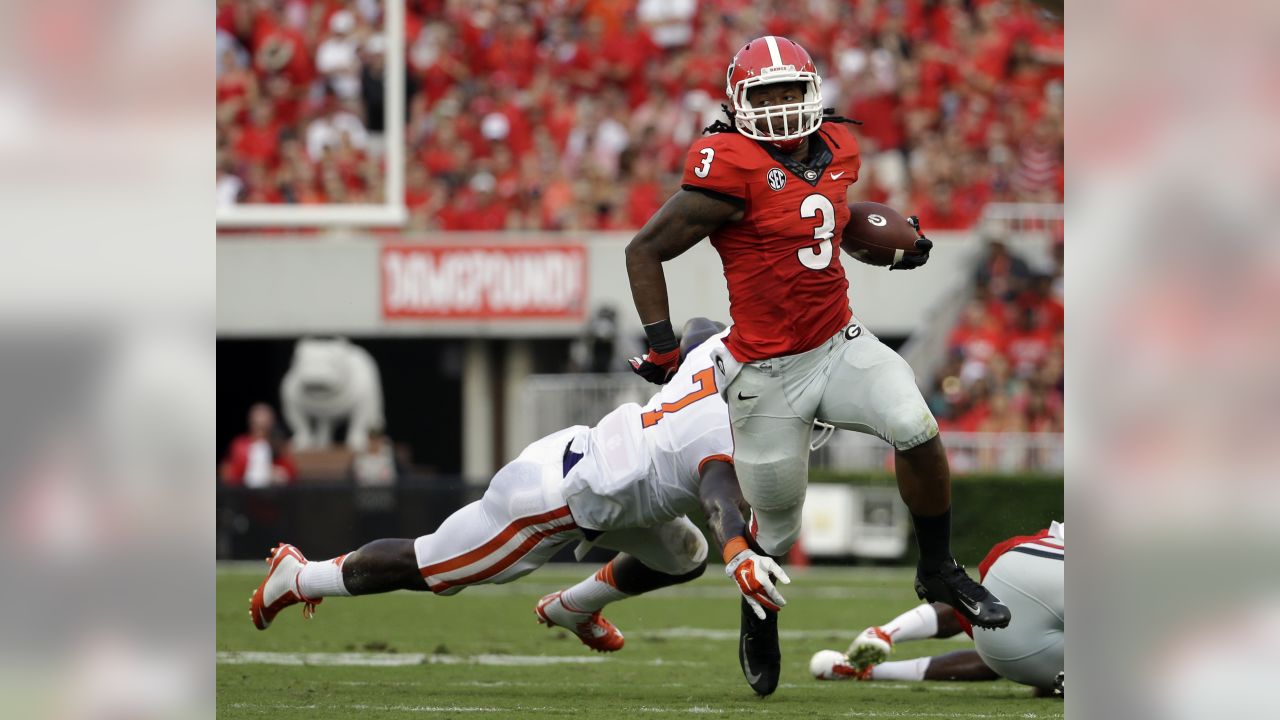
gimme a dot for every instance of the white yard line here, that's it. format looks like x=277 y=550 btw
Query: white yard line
x=695 y=633
x=397 y=659
x=695 y=710
x=362 y=707
x=917 y=714
x=328 y=659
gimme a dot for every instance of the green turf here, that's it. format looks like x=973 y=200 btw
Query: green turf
x=680 y=656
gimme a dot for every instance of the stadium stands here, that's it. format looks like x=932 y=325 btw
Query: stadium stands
x=575 y=114
x=1005 y=366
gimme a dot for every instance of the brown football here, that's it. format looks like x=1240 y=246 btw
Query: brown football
x=876 y=234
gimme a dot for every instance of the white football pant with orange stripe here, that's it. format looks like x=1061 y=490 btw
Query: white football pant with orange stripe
x=524 y=519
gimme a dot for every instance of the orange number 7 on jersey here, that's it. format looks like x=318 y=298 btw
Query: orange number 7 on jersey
x=706 y=380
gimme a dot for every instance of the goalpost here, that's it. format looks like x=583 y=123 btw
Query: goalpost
x=391 y=211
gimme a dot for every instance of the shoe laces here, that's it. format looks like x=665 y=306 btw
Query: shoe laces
x=963 y=584
x=309 y=609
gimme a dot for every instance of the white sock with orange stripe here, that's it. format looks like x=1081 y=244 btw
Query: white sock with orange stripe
x=593 y=593
x=322 y=579
x=909 y=670
x=918 y=623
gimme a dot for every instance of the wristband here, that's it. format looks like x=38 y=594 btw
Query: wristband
x=733 y=547
x=661 y=337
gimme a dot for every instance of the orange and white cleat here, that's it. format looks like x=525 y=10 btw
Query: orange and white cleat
x=871 y=647
x=593 y=630
x=279 y=589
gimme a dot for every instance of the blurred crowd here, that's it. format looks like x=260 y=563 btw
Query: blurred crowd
x=576 y=114
x=1004 y=371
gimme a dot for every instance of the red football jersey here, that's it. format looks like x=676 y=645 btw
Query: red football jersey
x=787 y=289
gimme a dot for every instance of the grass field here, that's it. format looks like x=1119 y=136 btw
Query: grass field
x=481 y=653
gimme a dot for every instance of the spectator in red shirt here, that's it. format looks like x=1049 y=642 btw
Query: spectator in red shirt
x=646 y=195
x=260 y=457
x=978 y=335
x=259 y=141
x=1028 y=343
x=938 y=209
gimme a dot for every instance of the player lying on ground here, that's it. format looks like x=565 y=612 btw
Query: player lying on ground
x=627 y=484
x=770 y=188
x=1028 y=572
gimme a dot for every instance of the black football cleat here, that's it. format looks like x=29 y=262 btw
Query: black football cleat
x=758 y=651
x=950 y=584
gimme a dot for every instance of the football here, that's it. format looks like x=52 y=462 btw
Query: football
x=877 y=234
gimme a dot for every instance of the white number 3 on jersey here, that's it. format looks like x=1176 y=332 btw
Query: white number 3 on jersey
x=820 y=257
x=704 y=169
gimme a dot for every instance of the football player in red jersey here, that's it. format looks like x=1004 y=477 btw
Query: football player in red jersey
x=770 y=189
x=1029 y=651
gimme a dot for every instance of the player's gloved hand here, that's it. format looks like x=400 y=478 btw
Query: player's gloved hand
x=915 y=258
x=656 y=367
x=755 y=576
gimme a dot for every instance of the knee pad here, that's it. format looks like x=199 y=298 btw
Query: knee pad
x=776 y=532
x=773 y=482
x=910 y=424
x=681 y=550
x=692 y=552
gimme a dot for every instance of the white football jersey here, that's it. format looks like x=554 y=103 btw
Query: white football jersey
x=642 y=465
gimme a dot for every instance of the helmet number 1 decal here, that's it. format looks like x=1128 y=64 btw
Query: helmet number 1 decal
x=704 y=169
x=819 y=256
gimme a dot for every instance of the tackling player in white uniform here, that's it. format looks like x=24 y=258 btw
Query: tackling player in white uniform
x=627 y=484
x=1028 y=572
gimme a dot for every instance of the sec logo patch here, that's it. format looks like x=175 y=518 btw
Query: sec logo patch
x=777 y=179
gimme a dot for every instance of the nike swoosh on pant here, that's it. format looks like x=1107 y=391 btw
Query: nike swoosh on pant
x=746 y=662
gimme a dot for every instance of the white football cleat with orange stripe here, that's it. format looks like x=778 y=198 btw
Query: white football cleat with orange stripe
x=591 y=628
x=833 y=665
x=279 y=589
x=871 y=647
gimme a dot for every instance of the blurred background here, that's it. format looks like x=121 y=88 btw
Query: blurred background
x=488 y=162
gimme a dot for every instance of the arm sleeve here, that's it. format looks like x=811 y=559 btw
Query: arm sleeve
x=715 y=166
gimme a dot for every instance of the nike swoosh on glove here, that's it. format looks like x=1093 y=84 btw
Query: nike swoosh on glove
x=920 y=255
x=656 y=367
x=752 y=573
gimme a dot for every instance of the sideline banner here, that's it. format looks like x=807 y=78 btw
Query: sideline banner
x=484 y=281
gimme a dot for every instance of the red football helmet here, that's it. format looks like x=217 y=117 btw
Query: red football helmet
x=764 y=61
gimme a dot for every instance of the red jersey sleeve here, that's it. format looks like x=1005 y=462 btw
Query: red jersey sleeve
x=716 y=163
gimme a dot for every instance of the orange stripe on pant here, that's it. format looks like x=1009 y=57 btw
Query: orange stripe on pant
x=498 y=541
x=510 y=559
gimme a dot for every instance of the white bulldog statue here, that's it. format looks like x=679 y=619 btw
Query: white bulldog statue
x=331 y=380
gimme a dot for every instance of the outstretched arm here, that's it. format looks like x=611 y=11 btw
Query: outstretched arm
x=682 y=222
x=725 y=507
x=723 y=503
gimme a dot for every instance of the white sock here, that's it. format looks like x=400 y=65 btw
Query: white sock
x=322 y=579
x=918 y=623
x=593 y=593
x=909 y=670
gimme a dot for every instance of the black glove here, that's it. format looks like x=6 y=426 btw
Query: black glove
x=915 y=258
x=656 y=367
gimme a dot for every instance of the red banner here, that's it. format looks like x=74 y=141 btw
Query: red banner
x=490 y=282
